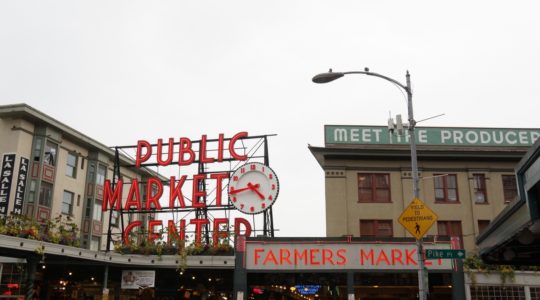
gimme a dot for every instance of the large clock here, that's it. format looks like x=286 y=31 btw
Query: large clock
x=253 y=188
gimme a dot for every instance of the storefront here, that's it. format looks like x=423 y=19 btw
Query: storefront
x=340 y=268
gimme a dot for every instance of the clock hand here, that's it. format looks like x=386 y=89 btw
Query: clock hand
x=255 y=188
x=233 y=191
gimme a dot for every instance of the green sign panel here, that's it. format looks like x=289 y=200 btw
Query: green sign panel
x=444 y=253
x=449 y=136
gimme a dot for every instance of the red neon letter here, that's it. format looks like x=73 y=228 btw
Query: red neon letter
x=257 y=256
x=111 y=198
x=128 y=229
x=242 y=221
x=139 y=158
x=219 y=233
x=343 y=259
x=198 y=228
x=133 y=192
x=220 y=147
x=197 y=193
x=152 y=181
x=219 y=186
x=231 y=146
x=170 y=152
x=382 y=256
x=284 y=255
x=409 y=257
x=175 y=191
x=185 y=147
x=172 y=234
x=327 y=255
x=151 y=235
x=202 y=151
x=368 y=256
x=396 y=256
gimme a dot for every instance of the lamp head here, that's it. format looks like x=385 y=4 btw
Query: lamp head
x=327 y=77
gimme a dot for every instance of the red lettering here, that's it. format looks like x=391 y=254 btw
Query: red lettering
x=219 y=233
x=112 y=198
x=221 y=142
x=409 y=257
x=313 y=256
x=134 y=195
x=270 y=257
x=128 y=229
x=219 y=185
x=197 y=193
x=185 y=148
x=173 y=235
x=396 y=256
x=151 y=234
x=153 y=198
x=382 y=256
x=170 y=151
x=175 y=191
x=202 y=151
x=369 y=256
x=198 y=228
x=139 y=158
x=284 y=255
x=232 y=149
x=245 y=223
x=257 y=256
x=341 y=253
x=327 y=256
x=300 y=257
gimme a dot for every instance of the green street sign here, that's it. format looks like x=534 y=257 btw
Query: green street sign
x=444 y=253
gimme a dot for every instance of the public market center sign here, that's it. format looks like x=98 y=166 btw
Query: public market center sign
x=447 y=136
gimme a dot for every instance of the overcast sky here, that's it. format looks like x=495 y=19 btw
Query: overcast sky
x=120 y=71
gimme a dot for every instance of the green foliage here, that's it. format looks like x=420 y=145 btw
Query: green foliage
x=60 y=230
x=473 y=263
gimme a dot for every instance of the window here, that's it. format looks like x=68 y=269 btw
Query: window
x=37 y=148
x=373 y=187
x=450 y=229
x=446 y=188
x=32 y=192
x=97 y=211
x=88 y=208
x=101 y=173
x=488 y=292
x=71 y=165
x=482 y=225
x=67 y=203
x=509 y=188
x=45 y=194
x=50 y=153
x=480 y=191
x=379 y=228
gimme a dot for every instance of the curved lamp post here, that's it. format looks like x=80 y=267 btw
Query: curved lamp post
x=331 y=76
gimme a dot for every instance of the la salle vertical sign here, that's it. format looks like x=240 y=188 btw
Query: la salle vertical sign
x=6 y=177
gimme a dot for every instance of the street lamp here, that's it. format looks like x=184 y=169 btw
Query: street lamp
x=331 y=76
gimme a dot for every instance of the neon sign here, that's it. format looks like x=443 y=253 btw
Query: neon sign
x=180 y=152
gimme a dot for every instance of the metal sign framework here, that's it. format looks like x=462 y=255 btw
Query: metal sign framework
x=256 y=149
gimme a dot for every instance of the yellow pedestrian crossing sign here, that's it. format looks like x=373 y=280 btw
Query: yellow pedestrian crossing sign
x=417 y=218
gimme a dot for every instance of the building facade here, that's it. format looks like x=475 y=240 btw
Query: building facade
x=58 y=173
x=466 y=175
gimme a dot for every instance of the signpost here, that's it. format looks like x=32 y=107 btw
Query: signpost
x=445 y=253
x=417 y=218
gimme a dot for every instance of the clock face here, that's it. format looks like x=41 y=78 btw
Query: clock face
x=253 y=188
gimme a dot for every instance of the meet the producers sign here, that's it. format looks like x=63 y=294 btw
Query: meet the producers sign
x=448 y=136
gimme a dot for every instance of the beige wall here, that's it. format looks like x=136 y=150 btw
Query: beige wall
x=343 y=212
x=17 y=135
